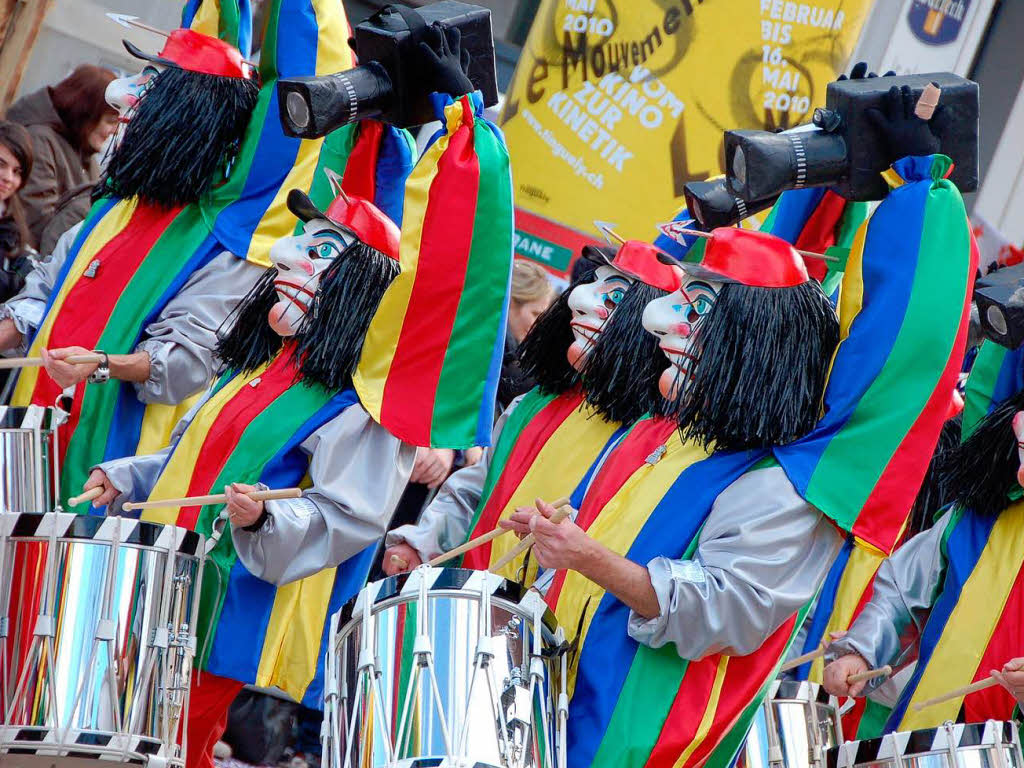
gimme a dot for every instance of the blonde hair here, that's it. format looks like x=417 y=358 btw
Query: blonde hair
x=529 y=282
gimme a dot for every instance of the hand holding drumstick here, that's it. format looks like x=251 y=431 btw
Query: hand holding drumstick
x=847 y=675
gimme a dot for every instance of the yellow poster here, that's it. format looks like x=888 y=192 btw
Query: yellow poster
x=616 y=104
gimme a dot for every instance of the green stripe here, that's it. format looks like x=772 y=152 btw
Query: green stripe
x=981 y=385
x=265 y=436
x=408 y=662
x=479 y=319
x=893 y=402
x=137 y=303
x=229 y=18
x=334 y=154
x=872 y=722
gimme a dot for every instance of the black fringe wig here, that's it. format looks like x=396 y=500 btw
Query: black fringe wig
x=543 y=351
x=980 y=472
x=330 y=336
x=181 y=138
x=620 y=375
x=761 y=372
x=934 y=493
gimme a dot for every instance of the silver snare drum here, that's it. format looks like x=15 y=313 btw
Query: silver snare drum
x=98 y=618
x=794 y=727
x=445 y=664
x=992 y=744
x=28 y=458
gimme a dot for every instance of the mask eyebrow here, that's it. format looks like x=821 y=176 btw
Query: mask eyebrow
x=618 y=279
x=331 y=234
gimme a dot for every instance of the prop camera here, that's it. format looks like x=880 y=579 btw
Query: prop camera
x=713 y=204
x=388 y=85
x=762 y=164
x=1000 y=299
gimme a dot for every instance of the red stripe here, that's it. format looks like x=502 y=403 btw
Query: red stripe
x=396 y=688
x=1007 y=639
x=411 y=386
x=620 y=465
x=228 y=426
x=744 y=678
x=533 y=437
x=882 y=517
x=83 y=315
x=360 y=177
x=820 y=232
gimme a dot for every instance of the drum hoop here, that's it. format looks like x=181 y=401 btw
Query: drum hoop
x=143 y=535
x=923 y=741
x=789 y=690
x=86 y=743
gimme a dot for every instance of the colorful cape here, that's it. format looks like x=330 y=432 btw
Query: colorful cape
x=547 y=448
x=693 y=712
x=904 y=310
x=250 y=431
x=430 y=365
x=230 y=20
x=974 y=625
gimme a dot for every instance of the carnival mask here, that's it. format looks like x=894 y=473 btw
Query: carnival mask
x=592 y=304
x=1018 y=431
x=675 y=320
x=124 y=93
x=300 y=261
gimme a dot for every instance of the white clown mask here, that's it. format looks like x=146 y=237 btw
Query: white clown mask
x=301 y=261
x=675 y=319
x=592 y=304
x=124 y=93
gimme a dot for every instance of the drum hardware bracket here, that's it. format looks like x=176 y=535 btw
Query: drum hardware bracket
x=4 y=622
x=44 y=626
x=106 y=630
x=160 y=637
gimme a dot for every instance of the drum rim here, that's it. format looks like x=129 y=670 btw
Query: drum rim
x=19 y=411
x=390 y=590
x=789 y=689
x=141 y=535
x=866 y=750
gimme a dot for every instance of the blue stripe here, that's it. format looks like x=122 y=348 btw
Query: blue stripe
x=963 y=549
x=395 y=160
x=824 y=608
x=248 y=601
x=792 y=211
x=605 y=663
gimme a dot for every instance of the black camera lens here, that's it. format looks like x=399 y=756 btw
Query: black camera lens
x=298 y=110
x=739 y=167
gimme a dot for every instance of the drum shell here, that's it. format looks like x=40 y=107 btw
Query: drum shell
x=118 y=699
x=795 y=726
x=992 y=744
x=453 y=618
x=26 y=453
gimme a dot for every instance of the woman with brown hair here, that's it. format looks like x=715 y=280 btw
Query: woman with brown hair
x=15 y=167
x=69 y=123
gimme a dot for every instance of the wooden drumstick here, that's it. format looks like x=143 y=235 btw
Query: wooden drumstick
x=481 y=540
x=800 y=660
x=36 y=362
x=928 y=101
x=956 y=693
x=89 y=495
x=702 y=233
x=527 y=542
x=869 y=674
x=217 y=498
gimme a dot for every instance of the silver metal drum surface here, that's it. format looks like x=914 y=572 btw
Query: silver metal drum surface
x=794 y=727
x=992 y=744
x=477 y=675
x=100 y=616
x=26 y=453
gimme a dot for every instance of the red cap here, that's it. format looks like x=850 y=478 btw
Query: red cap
x=356 y=214
x=644 y=262
x=196 y=52
x=735 y=255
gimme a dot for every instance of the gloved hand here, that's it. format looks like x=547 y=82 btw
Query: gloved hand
x=445 y=62
x=901 y=131
x=858 y=71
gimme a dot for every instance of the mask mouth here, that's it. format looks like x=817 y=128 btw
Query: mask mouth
x=585 y=332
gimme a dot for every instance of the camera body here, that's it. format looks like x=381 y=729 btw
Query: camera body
x=1000 y=299
x=713 y=204
x=845 y=154
x=388 y=85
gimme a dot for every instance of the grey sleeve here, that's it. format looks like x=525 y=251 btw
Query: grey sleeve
x=904 y=589
x=445 y=522
x=359 y=471
x=181 y=341
x=26 y=309
x=761 y=556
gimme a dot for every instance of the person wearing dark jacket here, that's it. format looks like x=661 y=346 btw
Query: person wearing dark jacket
x=69 y=123
x=15 y=166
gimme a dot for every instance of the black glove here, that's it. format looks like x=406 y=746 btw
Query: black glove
x=902 y=132
x=857 y=73
x=445 y=62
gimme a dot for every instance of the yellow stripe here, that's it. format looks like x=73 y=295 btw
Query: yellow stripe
x=158 y=422
x=955 y=660
x=616 y=527
x=386 y=326
x=176 y=476
x=892 y=178
x=573 y=446
x=857 y=577
x=333 y=55
x=709 y=713
x=207 y=19
x=291 y=648
x=109 y=227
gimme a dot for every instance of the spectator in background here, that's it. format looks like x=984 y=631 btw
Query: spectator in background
x=69 y=124
x=531 y=294
x=15 y=166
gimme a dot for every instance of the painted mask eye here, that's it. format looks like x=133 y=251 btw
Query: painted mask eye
x=613 y=297
x=700 y=307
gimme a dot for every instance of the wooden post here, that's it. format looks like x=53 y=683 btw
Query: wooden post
x=20 y=21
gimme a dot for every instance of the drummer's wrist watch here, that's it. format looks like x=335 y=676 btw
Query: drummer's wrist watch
x=102 y=372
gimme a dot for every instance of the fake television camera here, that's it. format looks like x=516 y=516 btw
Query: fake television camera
x=388 y=85
x=838 y=149
x=713 y=204
x=1000 y=299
